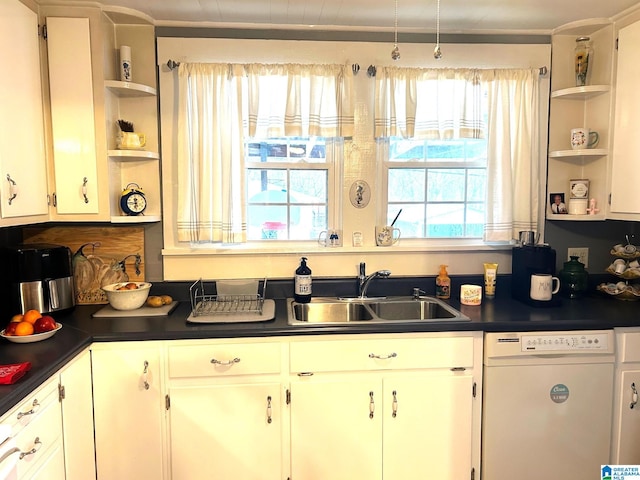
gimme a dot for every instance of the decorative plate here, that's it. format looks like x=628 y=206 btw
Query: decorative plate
x=628 y=274
x=630 y=293
x=628 y=256
x=34 y=337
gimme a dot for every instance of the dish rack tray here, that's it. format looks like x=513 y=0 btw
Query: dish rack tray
x=232 y=302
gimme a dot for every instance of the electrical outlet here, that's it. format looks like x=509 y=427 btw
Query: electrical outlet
x=581 y=252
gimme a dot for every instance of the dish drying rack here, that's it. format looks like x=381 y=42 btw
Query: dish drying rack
x=234 y=302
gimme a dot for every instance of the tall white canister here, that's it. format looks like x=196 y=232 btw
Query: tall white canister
x=125 y=63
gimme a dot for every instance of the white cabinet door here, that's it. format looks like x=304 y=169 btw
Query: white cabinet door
x=336 y=429
x=624 y=195
x=129 y=411
x=427 y=427
x=626 y=422
x=227 y=431
x=22 y=152
x=72 y=115
x=77 y=418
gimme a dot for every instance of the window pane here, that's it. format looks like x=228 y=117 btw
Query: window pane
x=446 y=185
x=406 y=184
x=445 y=220
x=411 y=220
x=289 y=149
x=476 y=184
x=286 y=204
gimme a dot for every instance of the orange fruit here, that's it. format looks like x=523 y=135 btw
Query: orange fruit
x=18 y=317
x=24 y=328
x=31 y=316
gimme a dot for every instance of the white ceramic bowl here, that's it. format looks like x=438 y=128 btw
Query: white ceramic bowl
x=127 y=299
x=34 y=337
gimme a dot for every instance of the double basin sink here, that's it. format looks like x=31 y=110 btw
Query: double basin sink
x=351 y=311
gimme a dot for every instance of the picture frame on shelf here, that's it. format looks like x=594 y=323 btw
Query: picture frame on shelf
x=558 y=205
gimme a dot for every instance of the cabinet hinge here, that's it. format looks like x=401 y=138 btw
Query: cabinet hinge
x=167 y=402
x=473 y=473
x=288 y=396
x=474 y=389
x=609 y=199
x=617 y=40
x=61 y=392
x=42 y=31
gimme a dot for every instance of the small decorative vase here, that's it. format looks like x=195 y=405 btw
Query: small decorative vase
x=582 y=56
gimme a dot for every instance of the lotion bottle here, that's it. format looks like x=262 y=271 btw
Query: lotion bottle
x=302 y=289
x=443 y=283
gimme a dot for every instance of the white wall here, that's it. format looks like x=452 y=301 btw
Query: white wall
x=408 y=258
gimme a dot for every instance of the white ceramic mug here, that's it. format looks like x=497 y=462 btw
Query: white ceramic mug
x=542 y=286
x=386 y=235
x=130 y=140
x=582 y=138
x=330 y=238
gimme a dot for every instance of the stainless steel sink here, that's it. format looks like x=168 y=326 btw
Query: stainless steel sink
x=351 y=311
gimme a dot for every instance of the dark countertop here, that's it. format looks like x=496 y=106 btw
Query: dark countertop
x=502 y=313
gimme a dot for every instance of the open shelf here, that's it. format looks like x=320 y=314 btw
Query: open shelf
x=135 y=218
x=133 y=155
x=129 y=89
x=580 y=93
x=587 y=152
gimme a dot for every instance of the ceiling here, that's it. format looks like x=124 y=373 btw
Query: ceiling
x=457 y=16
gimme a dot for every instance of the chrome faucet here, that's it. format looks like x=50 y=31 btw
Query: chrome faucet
x=364 y=279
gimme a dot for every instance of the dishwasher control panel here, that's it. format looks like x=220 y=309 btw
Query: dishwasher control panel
x=563 y=342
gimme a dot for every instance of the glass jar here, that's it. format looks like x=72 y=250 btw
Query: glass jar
x=583 y=54
x=574 y=279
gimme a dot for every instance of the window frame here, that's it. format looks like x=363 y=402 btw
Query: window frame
x=334 y=161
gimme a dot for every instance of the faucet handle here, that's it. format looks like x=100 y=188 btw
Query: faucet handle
x=363 y=269
x=417 y=292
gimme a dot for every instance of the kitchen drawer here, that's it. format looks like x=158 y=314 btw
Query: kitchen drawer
x=381 y=354
x=36 y=425
x=216 y=360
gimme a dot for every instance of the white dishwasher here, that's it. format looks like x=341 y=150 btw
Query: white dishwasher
x=548 y=399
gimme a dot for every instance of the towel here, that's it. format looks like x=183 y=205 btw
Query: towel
x=13 y=372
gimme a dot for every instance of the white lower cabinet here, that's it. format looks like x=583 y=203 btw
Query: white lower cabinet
x=76 y=397
x=129 y=410
x=376 y=407
x=626 y=407
x=226 y=410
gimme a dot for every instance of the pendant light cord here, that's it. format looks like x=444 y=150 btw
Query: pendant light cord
x=437 y=53
x=395 y=53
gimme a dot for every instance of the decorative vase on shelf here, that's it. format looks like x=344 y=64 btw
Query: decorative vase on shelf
x=582 y=56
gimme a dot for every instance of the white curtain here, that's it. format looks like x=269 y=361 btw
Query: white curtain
x=220 y=105
x=446 y=103
x=428 y=103
x=513 y=171
x=211 y=189
x=299 y=100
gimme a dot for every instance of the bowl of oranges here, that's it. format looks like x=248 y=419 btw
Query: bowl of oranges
x=30 y=326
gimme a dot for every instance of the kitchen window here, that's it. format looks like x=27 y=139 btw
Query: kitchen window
x=291 y=190
x=439 y=185
x=252 y=150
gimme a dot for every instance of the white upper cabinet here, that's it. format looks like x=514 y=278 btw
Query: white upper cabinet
x=72 y=116
x=625 y=202
x=23 y=176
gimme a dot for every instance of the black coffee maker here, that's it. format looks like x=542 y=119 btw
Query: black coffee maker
x=528 y=260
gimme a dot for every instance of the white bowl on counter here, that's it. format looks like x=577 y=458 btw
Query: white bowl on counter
x=123 y=296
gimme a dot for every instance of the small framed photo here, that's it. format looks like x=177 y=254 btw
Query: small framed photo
x=556 y=200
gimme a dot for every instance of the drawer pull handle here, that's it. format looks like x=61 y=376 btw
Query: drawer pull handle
x=225 y=362
x=383 y=357
x=33 y=410
x=634 y=396
x=145 y=374
x=37 y=444
x=13 y=188
x=394 y=405
x=269 y=419
x=372 y=406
